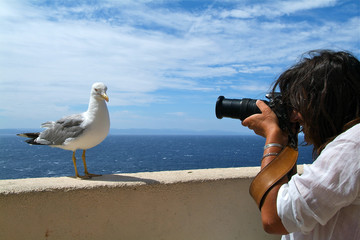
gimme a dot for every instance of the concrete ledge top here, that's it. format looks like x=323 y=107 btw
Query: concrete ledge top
x=16 y=186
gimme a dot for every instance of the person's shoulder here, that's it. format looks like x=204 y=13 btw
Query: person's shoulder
x=352 y=134
x=346 y=141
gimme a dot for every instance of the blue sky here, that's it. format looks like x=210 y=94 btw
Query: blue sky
x=165 y=62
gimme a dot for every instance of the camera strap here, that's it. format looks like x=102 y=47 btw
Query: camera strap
x=283 y=165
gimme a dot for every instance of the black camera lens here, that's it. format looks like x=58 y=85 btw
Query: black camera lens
x=235 y=108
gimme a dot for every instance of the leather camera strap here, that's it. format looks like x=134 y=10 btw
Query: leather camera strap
x=283 y=164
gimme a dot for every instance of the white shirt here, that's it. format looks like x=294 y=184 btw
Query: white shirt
x=324 y=202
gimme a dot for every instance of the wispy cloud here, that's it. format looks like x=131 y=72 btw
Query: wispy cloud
x=273 y=9
x=52 y=51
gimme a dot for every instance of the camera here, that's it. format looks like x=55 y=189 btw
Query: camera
x=245 y=107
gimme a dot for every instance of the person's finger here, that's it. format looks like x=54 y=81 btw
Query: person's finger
x=262 y=106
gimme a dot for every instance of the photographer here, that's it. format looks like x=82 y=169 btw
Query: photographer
x=322 y=95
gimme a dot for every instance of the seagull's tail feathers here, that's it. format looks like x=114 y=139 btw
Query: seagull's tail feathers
x=31 y=136
x=28 y=135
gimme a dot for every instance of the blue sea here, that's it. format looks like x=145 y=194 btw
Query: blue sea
x=135 y=153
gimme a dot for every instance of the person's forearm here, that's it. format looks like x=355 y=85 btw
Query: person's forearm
x=270 y=219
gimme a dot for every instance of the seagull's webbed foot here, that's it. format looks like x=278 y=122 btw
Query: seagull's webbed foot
x=90 y=175
x=85 y=177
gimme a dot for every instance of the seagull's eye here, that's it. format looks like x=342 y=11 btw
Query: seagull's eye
x=96 y=89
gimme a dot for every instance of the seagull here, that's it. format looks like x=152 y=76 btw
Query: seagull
x=77 y=131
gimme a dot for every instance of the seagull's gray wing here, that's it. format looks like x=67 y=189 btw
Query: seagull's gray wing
x=57 y=132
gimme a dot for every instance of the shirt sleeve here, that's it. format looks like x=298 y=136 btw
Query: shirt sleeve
x=326 y=186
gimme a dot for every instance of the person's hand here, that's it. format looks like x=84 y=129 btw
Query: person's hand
x=265 y=124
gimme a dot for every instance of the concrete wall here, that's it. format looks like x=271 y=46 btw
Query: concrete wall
x=194 y=204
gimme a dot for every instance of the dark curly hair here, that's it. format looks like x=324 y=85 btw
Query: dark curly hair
x=325 y=89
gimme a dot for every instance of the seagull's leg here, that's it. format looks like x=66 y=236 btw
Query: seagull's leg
x=85 y=167
x=76 y=171
x=74 y=161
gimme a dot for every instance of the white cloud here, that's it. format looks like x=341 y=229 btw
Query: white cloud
x=253 y=87
x=276 y=8
x=251 y=69
x=52 y=54
x=289 y=7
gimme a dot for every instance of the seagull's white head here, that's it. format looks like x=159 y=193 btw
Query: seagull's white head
x=98 y=91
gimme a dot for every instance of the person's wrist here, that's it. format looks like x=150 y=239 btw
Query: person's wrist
x=276 y=135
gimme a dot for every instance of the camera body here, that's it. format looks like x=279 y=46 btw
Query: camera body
x=245 y=107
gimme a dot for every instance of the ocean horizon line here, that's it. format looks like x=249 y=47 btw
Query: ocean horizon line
x=140 y=131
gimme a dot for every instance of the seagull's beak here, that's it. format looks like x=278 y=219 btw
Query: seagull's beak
x=105 y=97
